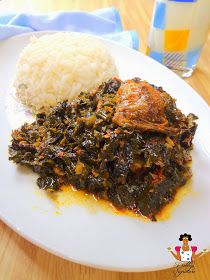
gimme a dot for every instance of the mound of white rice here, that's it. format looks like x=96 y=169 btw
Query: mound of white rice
x=58 y=67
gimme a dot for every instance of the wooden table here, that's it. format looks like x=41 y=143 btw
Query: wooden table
x=19 y=259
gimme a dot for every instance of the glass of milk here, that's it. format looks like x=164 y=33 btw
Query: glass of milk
x=178 y=32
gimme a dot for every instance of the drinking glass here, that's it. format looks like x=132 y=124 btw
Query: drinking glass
x=178 y=32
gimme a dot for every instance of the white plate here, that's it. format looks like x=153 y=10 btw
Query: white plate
x=101 y=239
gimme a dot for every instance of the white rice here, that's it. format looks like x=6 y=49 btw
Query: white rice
x=58 y=67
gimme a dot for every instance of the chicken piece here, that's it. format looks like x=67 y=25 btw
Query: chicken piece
x=142 y=106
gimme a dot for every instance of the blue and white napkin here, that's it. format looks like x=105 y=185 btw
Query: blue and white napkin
x=104 y=22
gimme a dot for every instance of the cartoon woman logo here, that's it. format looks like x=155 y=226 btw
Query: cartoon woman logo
x=186 y=253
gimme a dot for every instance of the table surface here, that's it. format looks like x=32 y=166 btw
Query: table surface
x=20 y=259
